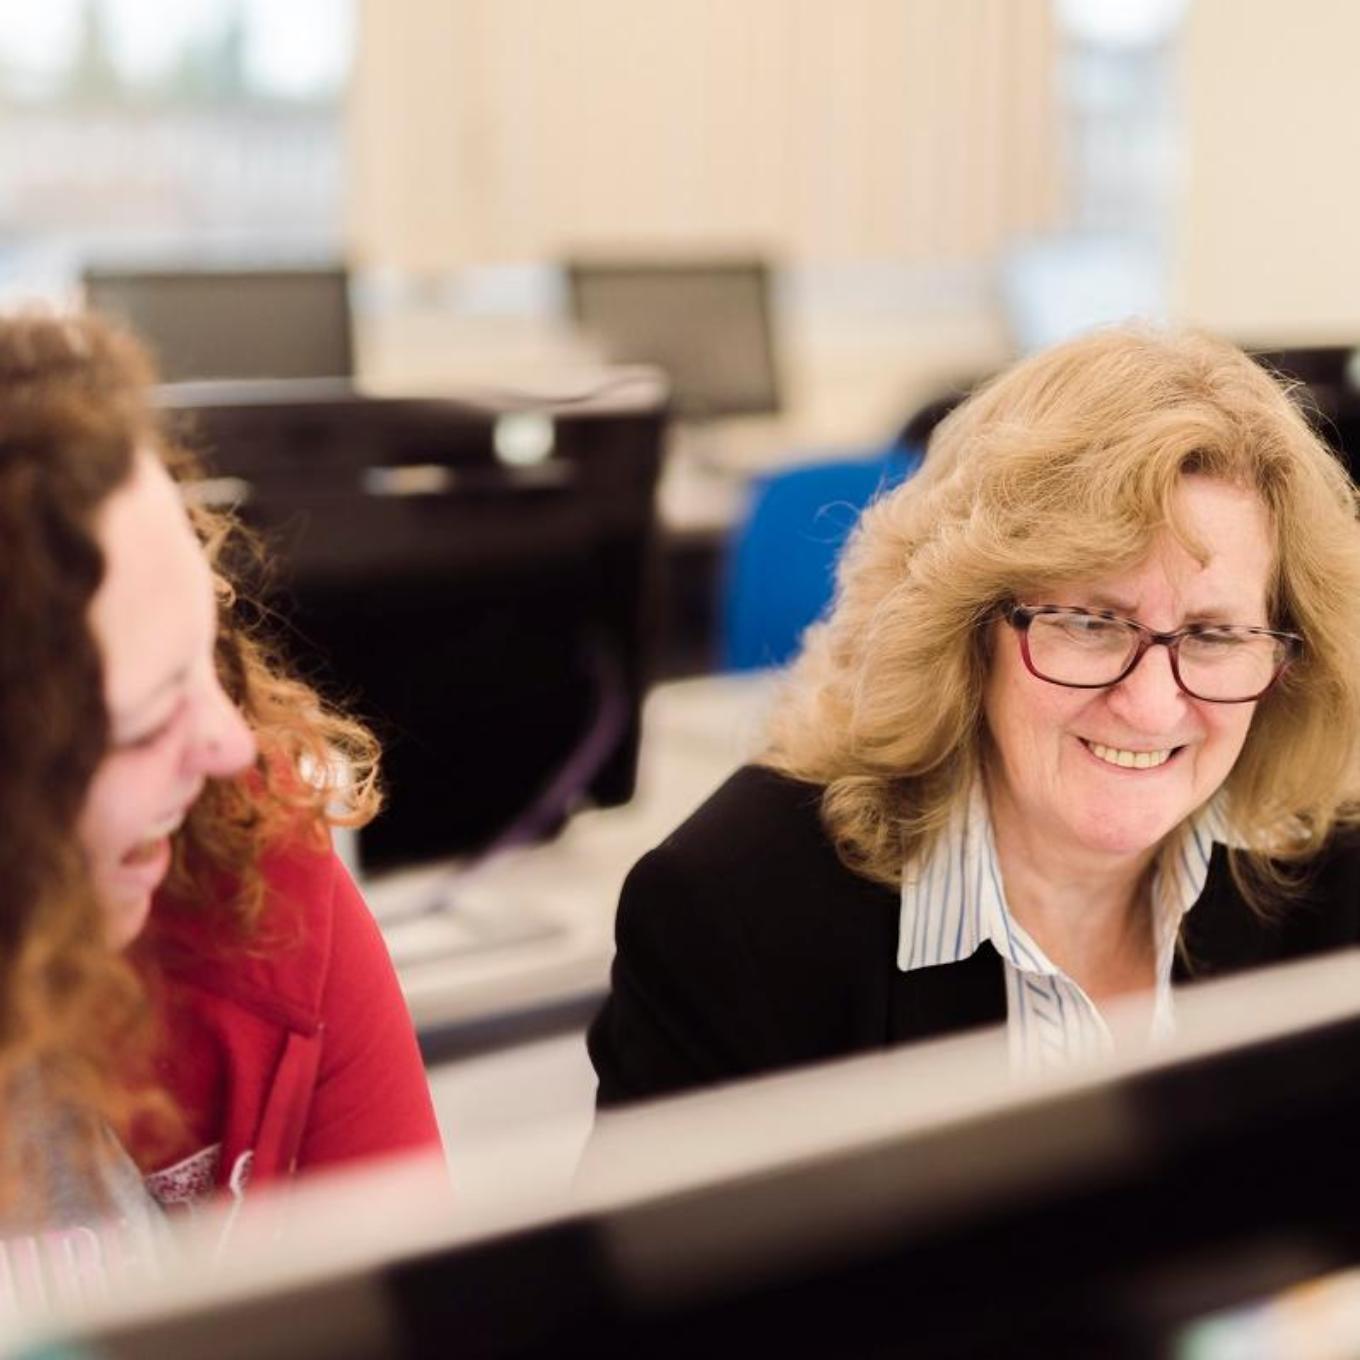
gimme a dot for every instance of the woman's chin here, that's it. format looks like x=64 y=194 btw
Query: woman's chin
x=1123 y=836
x=126 y=891
x=124 y=920
x=1135 y=815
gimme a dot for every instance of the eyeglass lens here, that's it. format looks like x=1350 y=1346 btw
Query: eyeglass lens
x=1218 y=663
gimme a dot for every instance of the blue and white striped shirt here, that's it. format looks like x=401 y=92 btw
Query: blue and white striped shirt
x=953 y=900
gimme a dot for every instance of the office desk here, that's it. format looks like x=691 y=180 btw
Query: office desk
x=523 y=944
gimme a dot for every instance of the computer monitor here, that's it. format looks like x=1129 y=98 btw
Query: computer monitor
x=911 y=1203
x=706 y=323
x=475 y=577
x=1325 y=366
x=234 y=323
x=1330 y=378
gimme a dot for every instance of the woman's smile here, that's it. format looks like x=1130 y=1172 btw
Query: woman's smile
x=1129 y=758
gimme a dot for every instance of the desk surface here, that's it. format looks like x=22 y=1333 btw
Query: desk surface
x=534 y=929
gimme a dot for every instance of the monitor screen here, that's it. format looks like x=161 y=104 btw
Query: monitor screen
x=706 y=324
x=227 y=323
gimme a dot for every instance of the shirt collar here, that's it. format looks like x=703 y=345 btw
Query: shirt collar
x=952 y=898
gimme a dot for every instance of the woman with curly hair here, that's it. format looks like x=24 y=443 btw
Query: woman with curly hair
x=192 y=993
x=1082 y=723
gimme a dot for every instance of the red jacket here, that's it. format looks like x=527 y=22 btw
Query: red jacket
x=291 y=1053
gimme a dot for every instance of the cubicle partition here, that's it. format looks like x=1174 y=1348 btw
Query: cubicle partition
x=472 y=575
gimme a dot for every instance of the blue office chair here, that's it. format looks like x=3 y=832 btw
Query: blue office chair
x=781 y=559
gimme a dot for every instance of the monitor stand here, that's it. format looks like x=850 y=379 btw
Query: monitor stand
x=447 y=918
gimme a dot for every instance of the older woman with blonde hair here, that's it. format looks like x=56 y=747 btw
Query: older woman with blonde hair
x=1083 y=722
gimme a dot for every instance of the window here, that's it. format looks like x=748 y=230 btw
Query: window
x=1117 y=82
x=133 y=129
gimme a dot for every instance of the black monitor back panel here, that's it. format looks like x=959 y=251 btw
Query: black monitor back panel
x=1331 y=397
x=1097 y=1224
x=1097 y=1220
x=234 y=323
x=492 y=621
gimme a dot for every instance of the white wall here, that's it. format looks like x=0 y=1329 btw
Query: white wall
x=915 y=136
x=1268 y=227
x=906 y=130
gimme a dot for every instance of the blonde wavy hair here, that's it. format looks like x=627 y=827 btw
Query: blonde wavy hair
x=77 y=1025
x=1064 y=469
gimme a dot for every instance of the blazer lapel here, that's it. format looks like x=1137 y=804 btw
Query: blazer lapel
x=1221 y=933
x=928 y=1003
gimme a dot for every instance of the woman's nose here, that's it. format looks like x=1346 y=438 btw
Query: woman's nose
x=1148 y=699
x=223 y=743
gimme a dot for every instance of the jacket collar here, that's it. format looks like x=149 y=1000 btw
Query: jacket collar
x=955 y=931
x=952 y=898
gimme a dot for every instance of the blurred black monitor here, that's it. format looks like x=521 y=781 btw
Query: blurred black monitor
x=1101 y=1217
x=234 y=323
x=474 y=580
x=1329 y=376
x=1331 y=367
x=1097 y=1213
x=706 y=323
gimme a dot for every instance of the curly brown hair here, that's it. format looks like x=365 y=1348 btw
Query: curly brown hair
x=75 y=1020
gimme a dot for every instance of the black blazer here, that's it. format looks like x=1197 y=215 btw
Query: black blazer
x=744 y=945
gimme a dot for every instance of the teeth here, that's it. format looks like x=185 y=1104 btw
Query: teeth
x=1129 y=760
